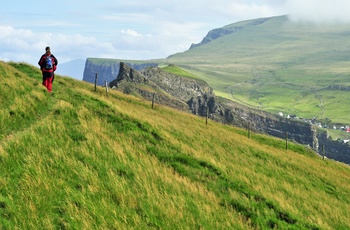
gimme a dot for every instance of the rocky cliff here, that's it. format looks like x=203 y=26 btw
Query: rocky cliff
x=169 y=89
x=197 y=97
x=106 y=71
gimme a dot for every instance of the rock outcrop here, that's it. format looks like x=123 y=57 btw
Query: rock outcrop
x=131 y=81
x=107 y=71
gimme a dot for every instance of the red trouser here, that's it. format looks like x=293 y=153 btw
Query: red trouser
x=47 y=80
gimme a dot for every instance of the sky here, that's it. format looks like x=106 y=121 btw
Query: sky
x=136 y=29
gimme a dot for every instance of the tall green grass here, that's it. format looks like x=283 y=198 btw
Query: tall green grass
x=80 y=159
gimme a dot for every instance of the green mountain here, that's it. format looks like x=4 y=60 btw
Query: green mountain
x=85 y=159
x=277 y=65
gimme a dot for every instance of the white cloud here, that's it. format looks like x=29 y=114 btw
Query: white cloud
x=319 y=11
x=26 y=46
x=131 y=33
x=243 y=11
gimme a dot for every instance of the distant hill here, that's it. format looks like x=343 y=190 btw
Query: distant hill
x=82 y=159
x=276 y=65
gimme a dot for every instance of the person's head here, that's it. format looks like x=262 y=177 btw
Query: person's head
x=47 y=49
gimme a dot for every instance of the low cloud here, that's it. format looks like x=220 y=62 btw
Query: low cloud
x=243 y=11
x=319 y=11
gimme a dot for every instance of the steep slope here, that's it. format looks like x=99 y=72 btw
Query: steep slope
x=80 y=159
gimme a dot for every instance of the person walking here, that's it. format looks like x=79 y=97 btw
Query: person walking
x=48 y=64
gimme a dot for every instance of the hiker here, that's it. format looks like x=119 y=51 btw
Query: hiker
x=48 y=64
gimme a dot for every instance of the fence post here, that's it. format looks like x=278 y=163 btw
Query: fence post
x=286 y=140
x=106 y=87
x=95 y=82
x=324 y=152
x=249 y=130
x=154 y=95
x=207 y=114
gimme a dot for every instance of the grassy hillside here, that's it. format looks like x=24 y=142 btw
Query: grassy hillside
x=79 y=159
x=278 y=66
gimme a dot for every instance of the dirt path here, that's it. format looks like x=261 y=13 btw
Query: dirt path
x=321 y=105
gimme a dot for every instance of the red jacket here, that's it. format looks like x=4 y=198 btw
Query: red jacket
x=42 y=63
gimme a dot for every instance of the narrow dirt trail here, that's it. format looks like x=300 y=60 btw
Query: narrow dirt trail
x=321 y=105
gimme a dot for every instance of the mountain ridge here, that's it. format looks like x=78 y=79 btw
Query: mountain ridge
x=229 y=29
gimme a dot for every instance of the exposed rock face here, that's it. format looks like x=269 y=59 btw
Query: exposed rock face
x=338 y=87
x=106 y=72
x=172 y=90
x=129 y=75
x=197 y=97
x=335 y=150
x=131 y=81
x=268 y=123
x=180 y=87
